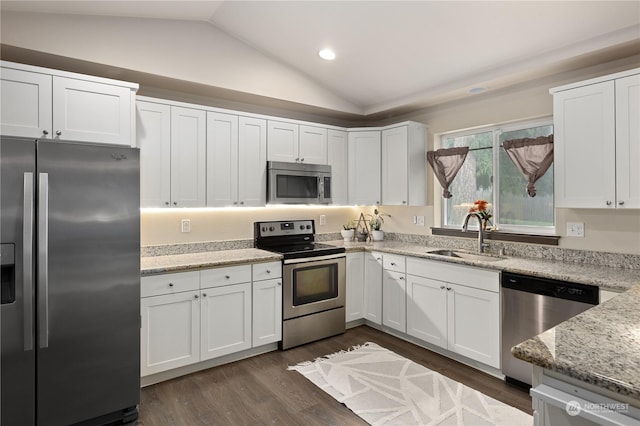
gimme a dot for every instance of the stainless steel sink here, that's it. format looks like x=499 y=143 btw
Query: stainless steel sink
x=468 y=256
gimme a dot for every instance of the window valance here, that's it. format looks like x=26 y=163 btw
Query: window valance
x=532 y=157
x=446 y=163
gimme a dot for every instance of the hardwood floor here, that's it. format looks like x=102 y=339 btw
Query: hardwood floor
x=260 y=390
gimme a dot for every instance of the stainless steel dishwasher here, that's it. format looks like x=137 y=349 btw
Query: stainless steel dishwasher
x=531 y=305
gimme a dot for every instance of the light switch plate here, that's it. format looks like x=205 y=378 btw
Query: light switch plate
x=185 y=225
x=575 y=229
x=420 y=220
x=323 y=219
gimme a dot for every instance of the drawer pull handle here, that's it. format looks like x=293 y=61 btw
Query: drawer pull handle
x=393 y=264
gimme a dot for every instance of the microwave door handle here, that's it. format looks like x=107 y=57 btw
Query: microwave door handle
x=320 y=188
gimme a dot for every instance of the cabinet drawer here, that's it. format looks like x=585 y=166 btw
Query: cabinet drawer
x=464 y=275
x=393 y=262
x=156 y=285
x=224 y=276
x=266 y=271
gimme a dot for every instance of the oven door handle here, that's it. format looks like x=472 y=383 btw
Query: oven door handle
x=314 y=258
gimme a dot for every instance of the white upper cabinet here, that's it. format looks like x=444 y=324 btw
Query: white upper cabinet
x=597 y=143
x=337 y=155
x=628 y=142
x=282 y=141
x=188 y=160
x=236 y=160
x=43 y=103
x=154 y=140
x=26 y=104
x=295 y=143
x=312 y=148
x=404 y=165
x=364 y=167
x=222 y=159
x=252 y=162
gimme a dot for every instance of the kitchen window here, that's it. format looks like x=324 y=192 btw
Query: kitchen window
x=489 y=174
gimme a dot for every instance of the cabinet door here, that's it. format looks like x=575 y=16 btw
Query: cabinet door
x=170 y=335
x=222 y=159
x=153 y=131
x=91 y=112
x=427 y=310
x=25 y=104
x=282 y=141
x=355 y=287
x=312 y=148
x=394 y=299
x=373 y=287
x=337 y=156
x=584 y=147
x=628 y=142
x=364 y=167
x=474 y=323
x=267 y=311
x=188 y=161
x=252 y=166
x=225 y=320
x=394 y=166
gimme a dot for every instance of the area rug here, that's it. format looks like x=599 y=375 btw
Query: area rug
x=384 y=388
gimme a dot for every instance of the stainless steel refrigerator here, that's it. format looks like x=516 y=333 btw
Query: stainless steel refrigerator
x=70 y=255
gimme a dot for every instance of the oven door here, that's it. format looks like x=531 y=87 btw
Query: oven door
x=313 y=284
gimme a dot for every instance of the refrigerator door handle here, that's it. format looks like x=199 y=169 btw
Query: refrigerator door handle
x=43 y=258
x=27 y=260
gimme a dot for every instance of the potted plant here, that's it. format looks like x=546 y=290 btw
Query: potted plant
x=376 y=224
x=348 y=231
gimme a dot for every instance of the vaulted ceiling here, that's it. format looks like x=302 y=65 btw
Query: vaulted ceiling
x=397 y=55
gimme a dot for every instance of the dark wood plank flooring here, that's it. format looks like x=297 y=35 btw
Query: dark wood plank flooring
x=260 y=390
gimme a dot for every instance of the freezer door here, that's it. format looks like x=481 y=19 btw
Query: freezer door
x=88 y=281
x=17 y=380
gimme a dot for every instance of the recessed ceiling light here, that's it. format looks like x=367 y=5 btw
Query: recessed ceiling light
x=476 y=90
x=327 y=54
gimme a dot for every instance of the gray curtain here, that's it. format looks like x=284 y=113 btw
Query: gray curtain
x=446 y=163
x=532 y=157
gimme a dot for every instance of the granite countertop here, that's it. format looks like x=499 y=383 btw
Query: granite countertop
x=600 y=346
x=184 y=262
x=615 y=279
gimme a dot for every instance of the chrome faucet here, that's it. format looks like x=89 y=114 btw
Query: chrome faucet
x=481 y=243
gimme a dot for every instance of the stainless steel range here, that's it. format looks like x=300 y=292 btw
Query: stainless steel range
x=314 y=280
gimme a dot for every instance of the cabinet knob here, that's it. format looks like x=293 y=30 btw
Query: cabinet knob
x=175 y=203
x=297 y=160
x=45 y=132
x=404 y=202
x=58 y=132
x=621 y=203
x=242 y=203
x=448 y=288
x=196 y=296
x=227 y=276
x=268 y=271
x=608 y=203
x=377 y=202
x=166 y=203
x=393 y=264
x=235 y=203
x=170 y=284
x=204 y=294
x=402 y=278
x=441 y=287
x=279 y=283
x=301 y=160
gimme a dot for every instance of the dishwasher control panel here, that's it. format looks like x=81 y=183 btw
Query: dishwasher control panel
x=584 y=293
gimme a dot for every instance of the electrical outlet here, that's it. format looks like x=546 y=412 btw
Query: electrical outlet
x=185 y=225
x=415 y=220
x=575 y=229
x=420 y=220
x=323 y=219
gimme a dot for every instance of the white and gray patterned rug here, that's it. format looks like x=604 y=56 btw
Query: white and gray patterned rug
x=384 y=388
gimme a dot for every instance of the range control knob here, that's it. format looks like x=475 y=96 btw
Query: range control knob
x=308 y=226
x=271 y=228
x=301 y=226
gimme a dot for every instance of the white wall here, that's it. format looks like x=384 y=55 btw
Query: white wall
x=183 y=50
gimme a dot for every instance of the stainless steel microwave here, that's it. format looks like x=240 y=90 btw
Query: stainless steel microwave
x=298 y=183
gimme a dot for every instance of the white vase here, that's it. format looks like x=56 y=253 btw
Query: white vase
x=377 y=235
x=347 y=234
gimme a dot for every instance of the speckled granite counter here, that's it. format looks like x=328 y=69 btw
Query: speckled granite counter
x=601 y=346
x=210 y=259
x=616 y=279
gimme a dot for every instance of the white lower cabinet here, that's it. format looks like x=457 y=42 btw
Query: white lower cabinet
x=170 y=335
x=226 y=320
x=267 y=303
x=373 y=287
x=455 y=307
x=355 y=287
x=394 y=300
x=188 y=317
